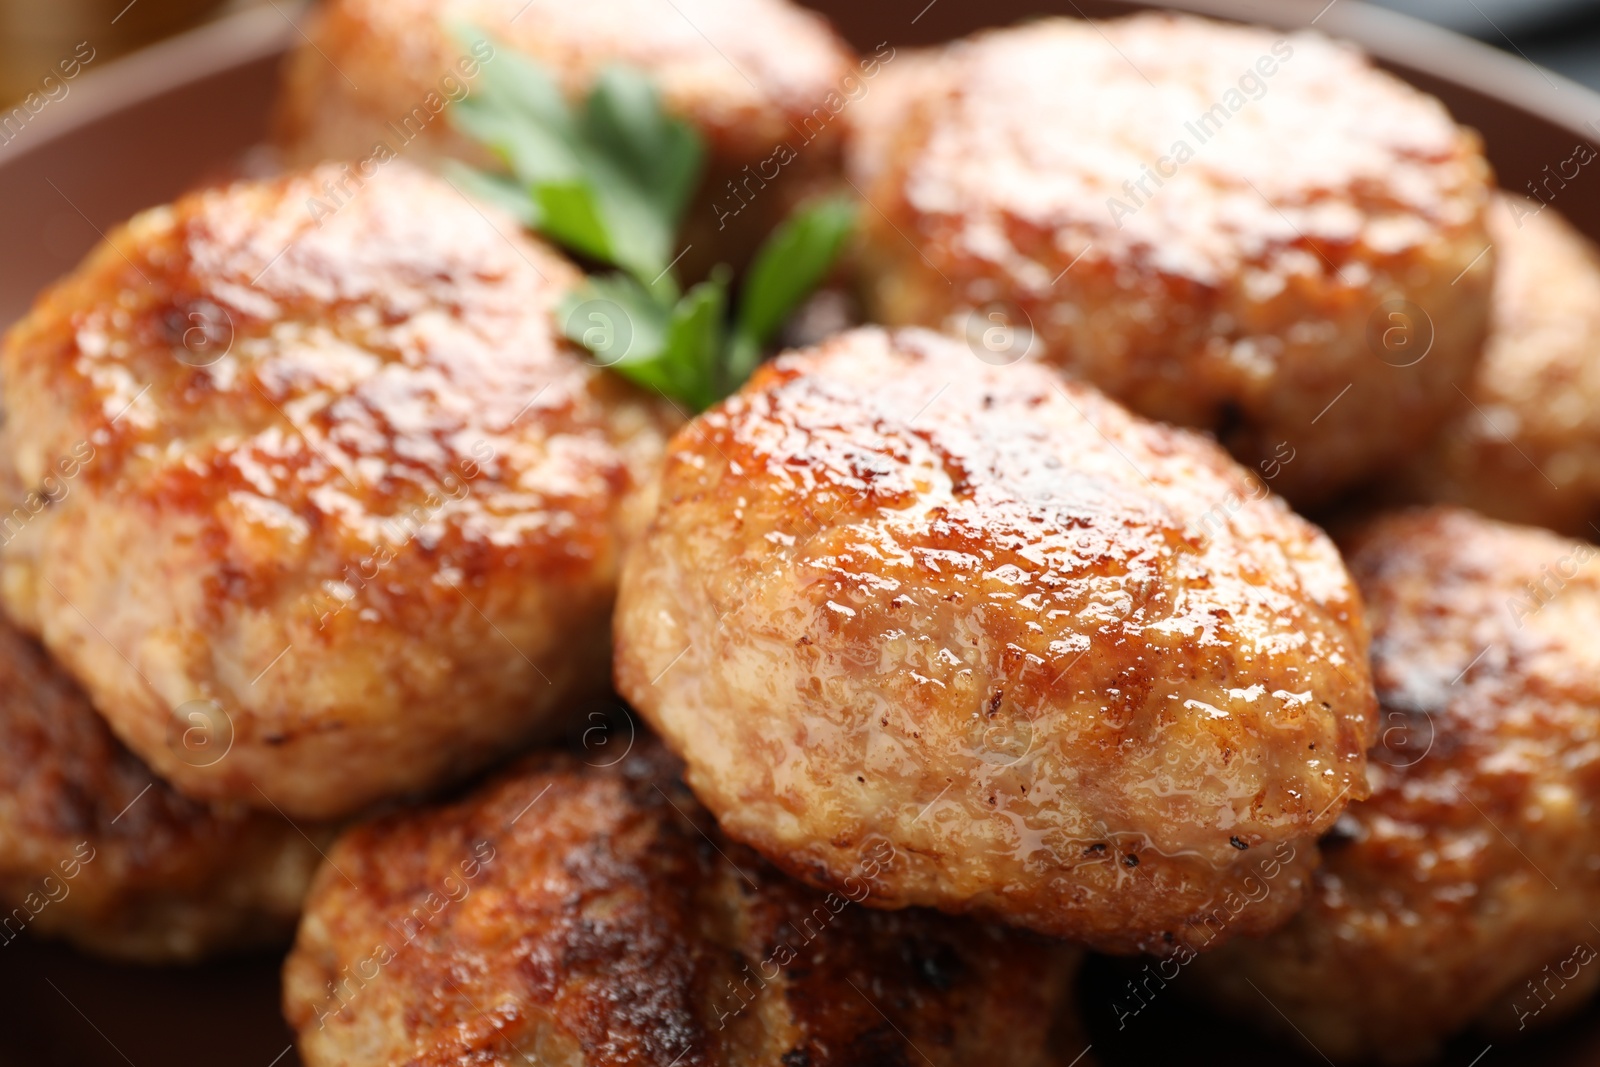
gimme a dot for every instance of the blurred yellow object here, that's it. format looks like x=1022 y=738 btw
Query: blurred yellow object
x=38 y=36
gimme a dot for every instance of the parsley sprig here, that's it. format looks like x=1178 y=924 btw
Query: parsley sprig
x=609 y=178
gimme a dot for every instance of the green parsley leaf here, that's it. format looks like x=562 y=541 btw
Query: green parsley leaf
x=520 y=114
x=610 y=179
x=671 y=348
x=621 y=323
x=694 y=341
x=572 y=213
x=662 y=155
x=790 y=264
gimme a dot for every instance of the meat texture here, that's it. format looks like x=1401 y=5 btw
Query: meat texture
x=1258 y=235
x=1462 y=892
x=320 y=508
x=590 y=914
x=1081 y=670
x=97 y=850
x=1524 y=445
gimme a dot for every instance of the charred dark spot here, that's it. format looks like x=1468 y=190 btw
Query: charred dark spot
x=796 y=1057
x=881 y=1046
x=1096 y=849
x=1130 y=861
x=994 y=702
x=940 y=968
x=1230 y=419
x=1238 y=842
x=1341 y=833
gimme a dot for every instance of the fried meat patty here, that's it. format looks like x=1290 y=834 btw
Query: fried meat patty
x=1220 y=226
x=333 y=483
x=97 y=850
x=1462 y=891
x=1524 y=445
x=585 y=915
x=1079 y=668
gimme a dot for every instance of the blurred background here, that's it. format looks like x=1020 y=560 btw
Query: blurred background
x=1563 y=35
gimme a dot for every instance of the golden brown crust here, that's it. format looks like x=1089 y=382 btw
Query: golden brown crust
x=1475 y=863
x=1524 y=445
x=1237 y=295
x=751 y=75
x=95 y=849
x=593 y=916
x=1078 y=667
x=334 y=476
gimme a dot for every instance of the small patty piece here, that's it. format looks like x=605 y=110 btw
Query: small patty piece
x=1462 y=891
x=1080 y=669
x=764 y=81
x=97 y=850
x=583 y=915
x=1525 y=443
x=1256 y=235
x=331 y=484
